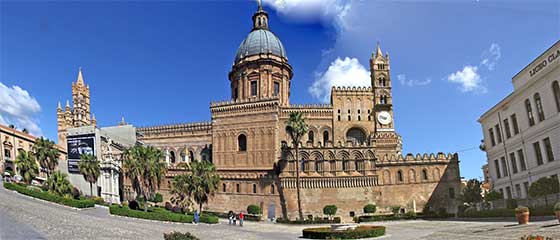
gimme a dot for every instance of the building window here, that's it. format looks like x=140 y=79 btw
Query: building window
x=191 y=155
x=172 y=157
x=497 y=167
x=452 y=193
x=316 y=164
x=359 y=118
x=276 y=88
x=271 y=189
x=349 y=118
x=515 y=125
x=369 y=115
x=491 y=134
x=526 y=188
x=513 y=162
x=504 y=166
x=325 y=137
x=424 y=175
x=237 y=188
x=518 y=190
x=7 y=153
x=253 y=88
x=540 y=109
x=356 y=135
x=344 y=165
x=506 y=128
x=502 y=192
x=548 y=148
x=521 y=160
x=338 y=117
x=254 y=188
x=223 y=187
x=311 y=137
x=498 y=133
x=556 y=91
x=538 y=153
x=400 y=177
x=242 y=143
x=508 y=192
x=529 y=112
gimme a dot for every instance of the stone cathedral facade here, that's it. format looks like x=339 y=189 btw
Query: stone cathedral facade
x=351 y=155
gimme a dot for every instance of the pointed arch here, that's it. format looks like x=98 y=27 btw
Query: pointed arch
x=437 y=174
x=386 y=177
x=343 y=155
x=411 y=176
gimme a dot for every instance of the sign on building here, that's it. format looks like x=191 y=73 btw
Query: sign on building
x=78 y=145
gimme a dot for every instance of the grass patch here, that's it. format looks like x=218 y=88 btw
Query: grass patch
x=358 y=232
x=160 y=214
x=37 y=193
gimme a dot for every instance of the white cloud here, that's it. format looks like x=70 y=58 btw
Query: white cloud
x=342 y=72
x=469 y=79
x=19 y=108
x=491 y=56
x=412 y=82
x=309 y=11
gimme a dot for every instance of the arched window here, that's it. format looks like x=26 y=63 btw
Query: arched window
x=271 y=189
x=556 y=91
x=237 y=188
x=400 y=176
x=540 y=109
x=311 y=137
x=356 y=135
x=254 y=188
x=529 y=112
x=172 y=157
x=242 y=143
x=356 y=165
x=302 y=167
x=316 y=168
x=325 y=137
x=223 y=187
x=424 y=175
x=191 y=155
x=349 y=118
x=344 y=165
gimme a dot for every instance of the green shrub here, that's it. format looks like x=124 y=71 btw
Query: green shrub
x=493 y=196
x=556 y=207
x=209 y=218
x=254 y=209
x=395 y=210
x=98 y=200
x=370 y=208
x=179 y=236
x=48 y=196
x=307 y=221
x=152 y=215
x=359 y=232
x=157 y=198
x=410 y=215
x=330 y=210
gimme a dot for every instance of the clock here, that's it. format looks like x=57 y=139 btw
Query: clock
x=384 y=117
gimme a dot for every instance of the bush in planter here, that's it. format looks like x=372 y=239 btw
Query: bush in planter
x=133 y=204
x=370 y=208
x=330 y=210
x=254 y=209
x=179 y=236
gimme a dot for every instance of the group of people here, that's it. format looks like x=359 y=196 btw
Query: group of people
x=233 y=218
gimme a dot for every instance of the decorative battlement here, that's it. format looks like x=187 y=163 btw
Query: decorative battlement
x=243 y=105
x=344 y=89
x=311 y=110
x=175 y=128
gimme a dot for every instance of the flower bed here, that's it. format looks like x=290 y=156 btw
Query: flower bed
x=36 y=193
x=160 y=214
x=309 y=221
x=358 y=232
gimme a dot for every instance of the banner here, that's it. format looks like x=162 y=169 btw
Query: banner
x=78 y=145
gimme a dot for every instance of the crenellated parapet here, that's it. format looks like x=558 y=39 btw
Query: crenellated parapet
x=309 y=110
x=245 y=106
x=205 y=127
x=352 y=91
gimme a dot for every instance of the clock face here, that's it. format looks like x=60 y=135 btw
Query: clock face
x=384 y=118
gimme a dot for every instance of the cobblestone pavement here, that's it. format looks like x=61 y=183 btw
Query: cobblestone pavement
x=22 y=217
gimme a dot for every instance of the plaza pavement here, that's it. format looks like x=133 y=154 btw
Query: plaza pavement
x=22 y=217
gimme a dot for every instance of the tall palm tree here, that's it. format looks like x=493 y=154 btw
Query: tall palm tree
x=58 y=183
x=145 y=167
x=27 y=166
x=47 y=154
x=296 y=128
x=180 y=191
x=204 y=182
x=89 y=168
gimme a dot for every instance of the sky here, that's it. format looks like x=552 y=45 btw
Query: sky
x=163 y=62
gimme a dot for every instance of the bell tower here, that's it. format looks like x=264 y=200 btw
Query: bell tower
x=381 y=84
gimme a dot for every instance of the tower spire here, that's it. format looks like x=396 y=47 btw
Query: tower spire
x=260 y=18
x=378 y=52
x=80 y=80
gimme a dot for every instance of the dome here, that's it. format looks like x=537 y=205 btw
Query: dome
x=260 y=41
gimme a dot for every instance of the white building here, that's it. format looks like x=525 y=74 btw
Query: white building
x=522 y=132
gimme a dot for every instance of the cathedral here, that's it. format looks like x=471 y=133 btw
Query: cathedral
x=351 y=156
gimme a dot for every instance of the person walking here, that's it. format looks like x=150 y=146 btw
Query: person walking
x=230 y=217
x=196 y=217
x=241 y=219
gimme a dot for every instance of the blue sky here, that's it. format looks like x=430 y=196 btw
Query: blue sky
x=163 y=62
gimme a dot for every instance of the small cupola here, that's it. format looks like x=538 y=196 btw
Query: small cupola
x=260 y=18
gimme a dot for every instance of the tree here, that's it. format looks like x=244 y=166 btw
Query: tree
x=296 y=128
x=471 y=194
x=145 y=168
x=543 y=187
x=58 y=183
x=254 y=209
x=330 y=210
x=199 y=184
x=47 y=154
x=493 y=196
x=27 y=166
x=180 y=191
x=89 y=168
x=370 y=208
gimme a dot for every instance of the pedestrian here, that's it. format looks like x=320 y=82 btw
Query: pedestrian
x=230 y=216
x=196 y=217
x=234 y=219
x=241 y=219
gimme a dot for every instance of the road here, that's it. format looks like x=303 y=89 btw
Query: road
x=22 y=217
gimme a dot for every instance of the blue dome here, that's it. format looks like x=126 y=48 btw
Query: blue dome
x=260 y=41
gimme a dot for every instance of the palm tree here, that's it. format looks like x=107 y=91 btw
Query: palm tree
x=296 y=128
x=204 y=182
x=27 y=166
x=180 y=191
x=46 y=153
x=58 y=183
x=145 y=168
x=89 y=168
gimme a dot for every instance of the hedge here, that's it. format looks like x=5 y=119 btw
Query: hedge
x=358 y=232
x=85 y=203
x=160 y=214
x=246 y=217
x=179 y=236
x=309 y=221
